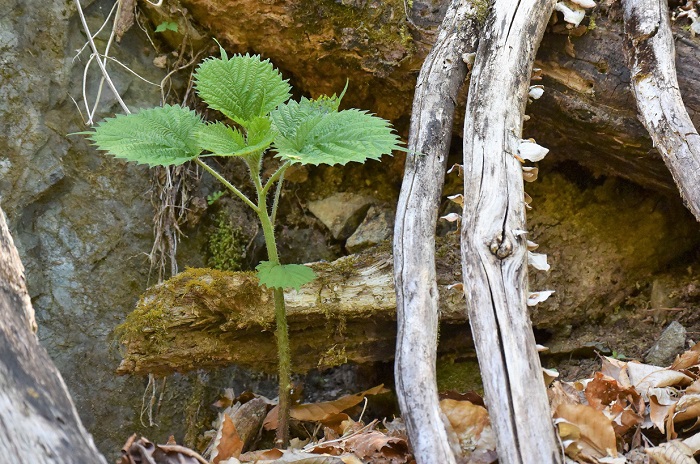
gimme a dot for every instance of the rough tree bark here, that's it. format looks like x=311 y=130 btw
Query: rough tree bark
x=494 y=248
x=651 y=55
x=38 y=422
x=430 y=133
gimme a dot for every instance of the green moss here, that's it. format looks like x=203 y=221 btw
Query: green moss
x=231 y=300
x=462 y=376
x=334 y=356
x=382 y=29
x=226 y=246
x=482 y=10
x=591 y=23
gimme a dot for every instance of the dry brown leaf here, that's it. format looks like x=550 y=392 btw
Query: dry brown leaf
x=660 y=405
x=563 y=393
x=318 y=412
x=603 y=391
x=625 y=420
x=645 y=376
x=227 y=442
x=378 y=448
x=597 y=436
x=339 y=423
x=688 y=359
x=617 y=370
x=261 y=455
x=672 y=452
x=693 y=387
x=472 y=427
x=272 y=419
x=693 y=443
x=687 y=407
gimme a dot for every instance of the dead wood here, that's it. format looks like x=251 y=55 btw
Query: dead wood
x=430 y=134
x=651 y=56
x=586 y=115
x=494 y=248
x=203 y=318
x=38 y=422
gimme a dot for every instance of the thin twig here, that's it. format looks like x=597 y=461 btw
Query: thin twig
x=99 y=62
x=111 y=12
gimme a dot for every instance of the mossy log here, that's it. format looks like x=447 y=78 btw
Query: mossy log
x=587 y=114
x=204 y=318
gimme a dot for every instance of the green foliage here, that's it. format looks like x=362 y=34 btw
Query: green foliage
x=252 y=93
x=243 y=87
x=226 y=246
x=166 y=26
x=220 y=139
x=214 y=197
x=310 y=136
x=284 y=276
x=158 y=136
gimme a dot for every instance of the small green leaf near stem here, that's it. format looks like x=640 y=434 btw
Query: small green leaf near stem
x=227 y=184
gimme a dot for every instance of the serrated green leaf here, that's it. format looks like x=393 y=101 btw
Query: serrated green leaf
x=284 y=275
x=160 y=136
x=310 y=136
x=243 y=87
x=260 y=133
x=220 y=139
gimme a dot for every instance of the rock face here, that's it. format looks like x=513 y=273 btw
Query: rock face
x=81 y=221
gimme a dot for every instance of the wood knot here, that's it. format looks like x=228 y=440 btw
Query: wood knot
x=501 y=247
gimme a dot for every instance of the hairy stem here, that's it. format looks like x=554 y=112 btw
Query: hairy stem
x=227 y=184
x=282 y=332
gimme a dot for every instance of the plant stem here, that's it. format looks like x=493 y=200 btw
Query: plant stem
x=227 y=184
x=276 y=201
x=282 y=331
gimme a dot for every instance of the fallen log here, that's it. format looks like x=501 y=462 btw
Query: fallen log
x=587 y=114
x=38 y=422
x=203 y=318
x=183 y=315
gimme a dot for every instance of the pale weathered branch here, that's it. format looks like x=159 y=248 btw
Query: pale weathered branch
x=439 y=81
x=651 y=55
x=38 y=422
x=494 y=249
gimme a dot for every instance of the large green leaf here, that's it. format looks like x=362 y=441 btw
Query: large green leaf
x=284 y=275
x=160 y=136
x=242 y=87
x=220 y=139
x=309 y=134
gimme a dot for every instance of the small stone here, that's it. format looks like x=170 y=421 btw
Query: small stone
x=160 y=61
x=376 y=227
x=670 y=343
x=341 y=212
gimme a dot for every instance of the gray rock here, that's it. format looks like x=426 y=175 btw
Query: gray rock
x=376 y=227
x=341 y=212
x=82 y=220
x=670 y=343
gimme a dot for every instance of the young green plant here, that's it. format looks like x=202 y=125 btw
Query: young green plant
x=254 y=96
